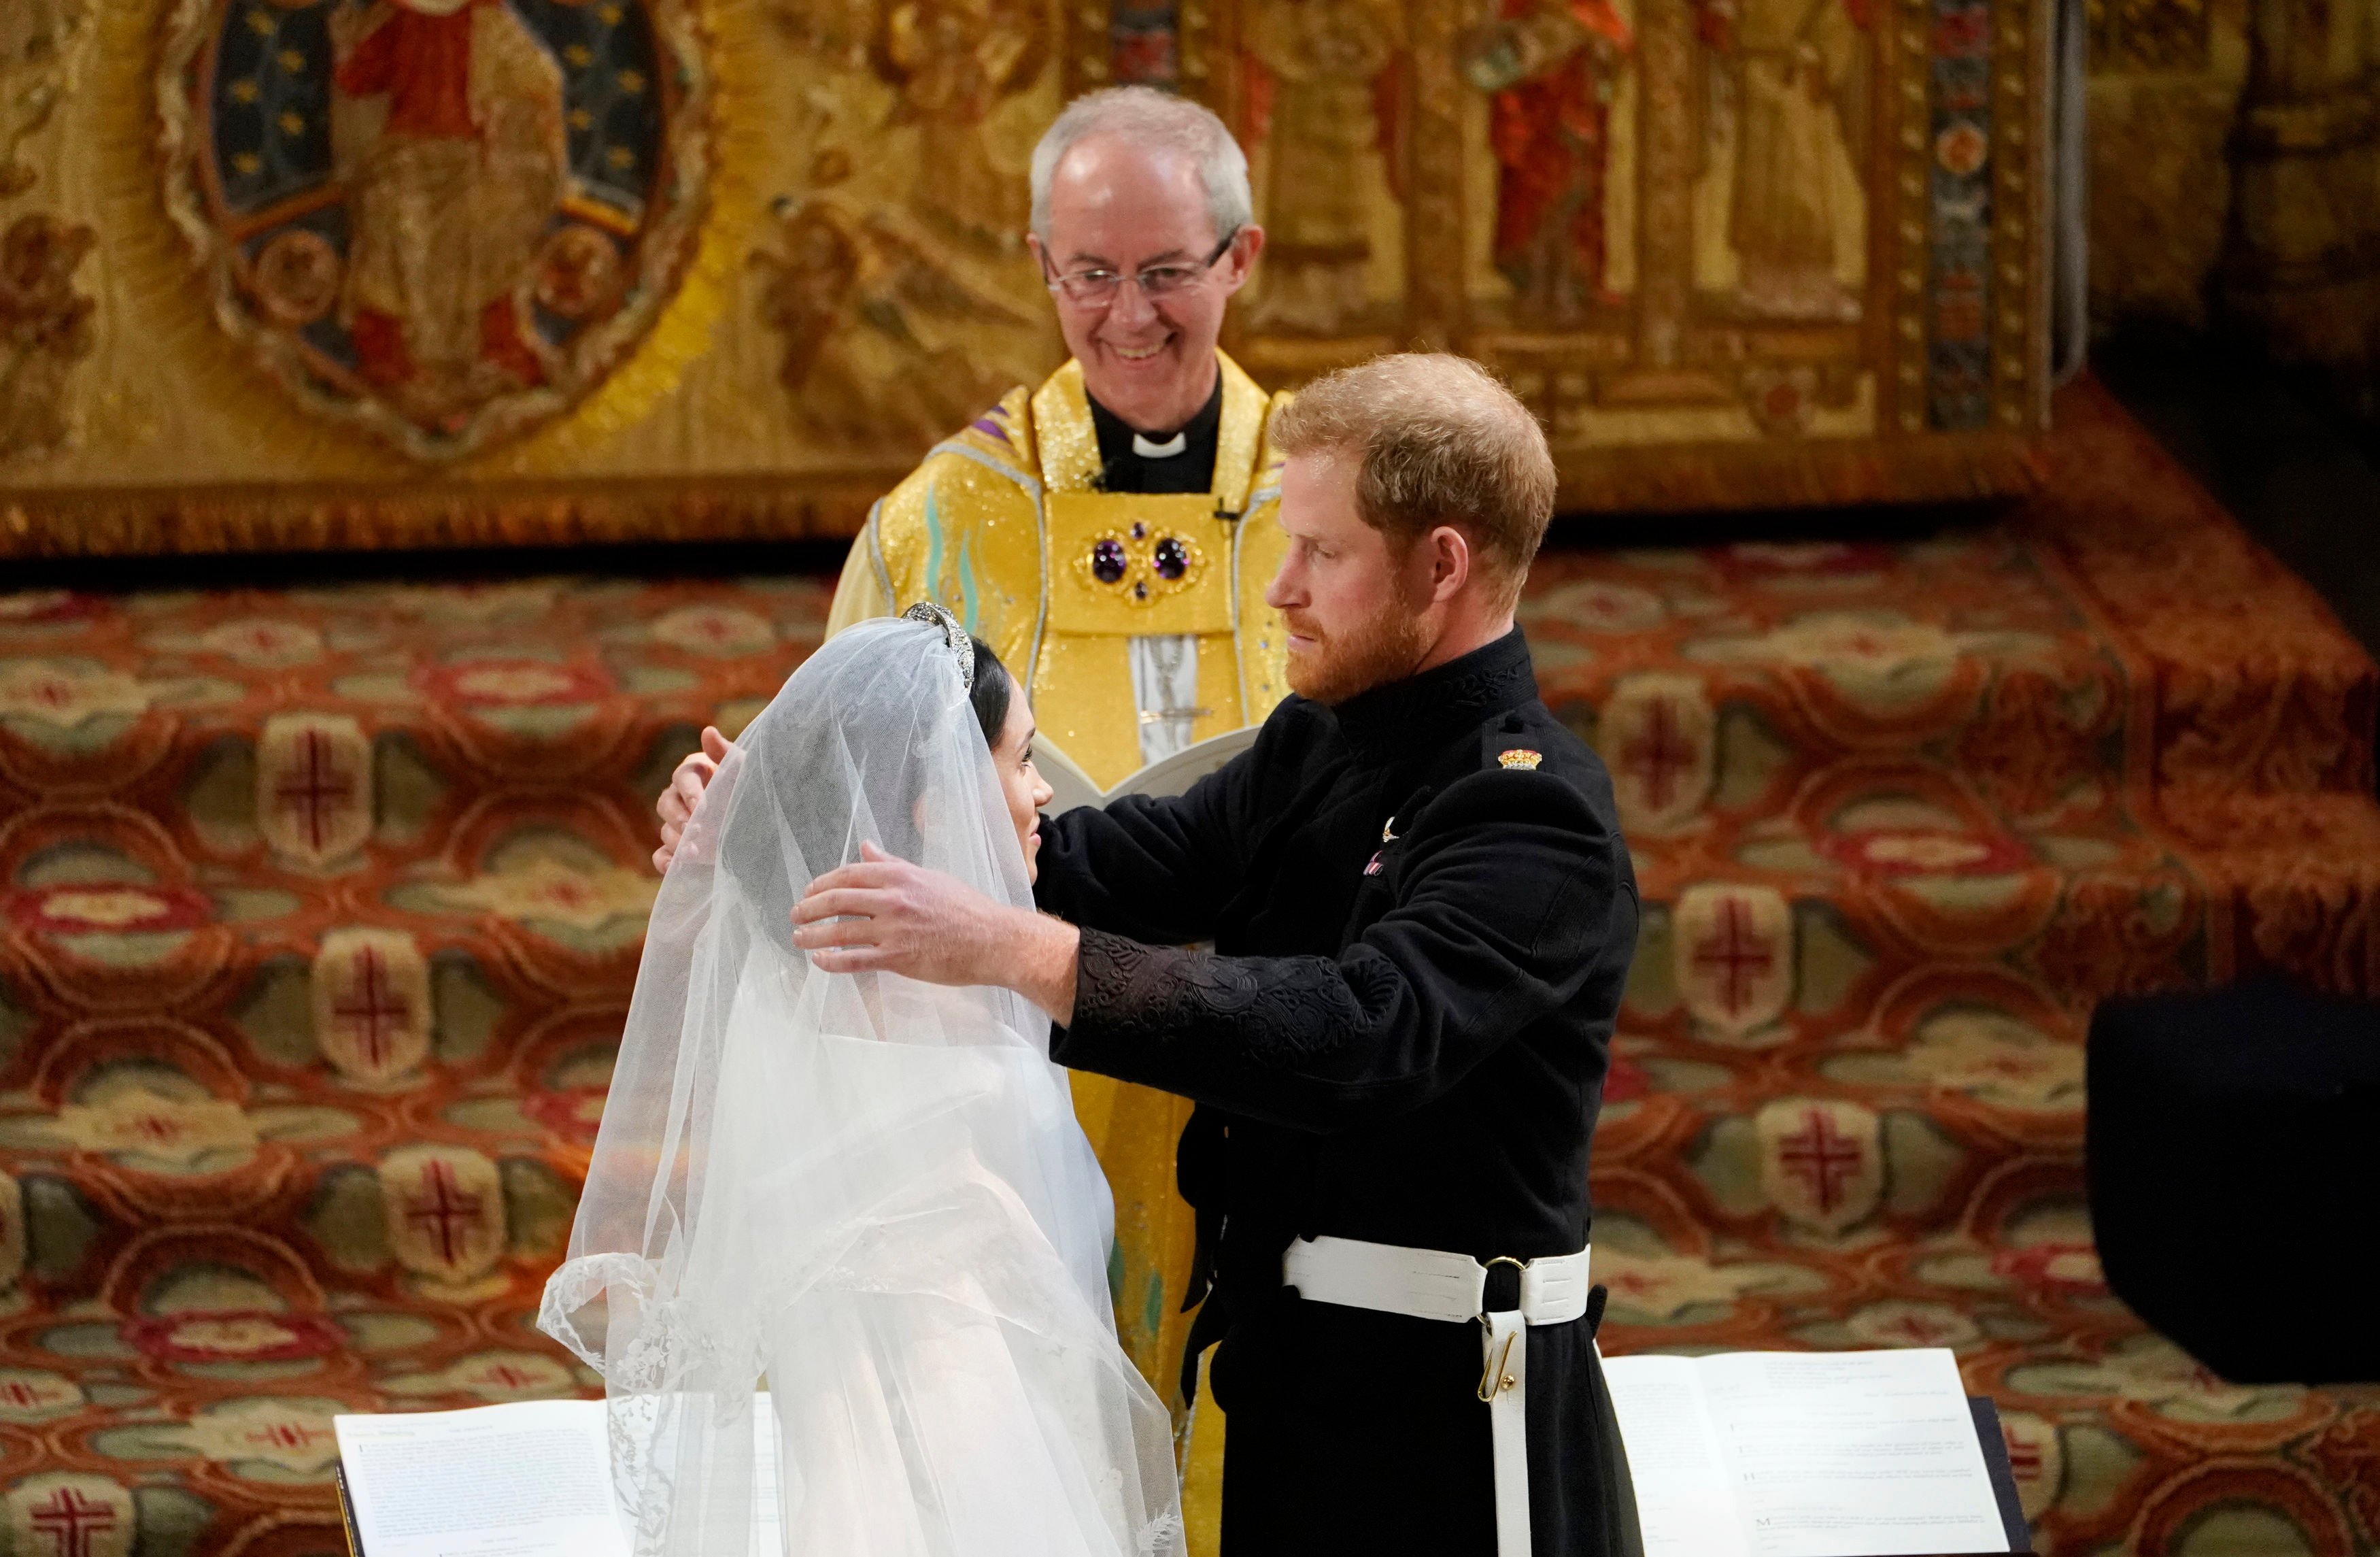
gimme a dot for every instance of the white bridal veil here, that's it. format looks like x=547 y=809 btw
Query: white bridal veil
x=869 y=1190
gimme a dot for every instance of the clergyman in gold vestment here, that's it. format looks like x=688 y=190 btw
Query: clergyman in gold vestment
x=1136 y=618
x=1111 y=535
x=1119 y=570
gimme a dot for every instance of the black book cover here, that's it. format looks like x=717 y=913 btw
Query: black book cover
x=1996 y=1464
x=347 y=1513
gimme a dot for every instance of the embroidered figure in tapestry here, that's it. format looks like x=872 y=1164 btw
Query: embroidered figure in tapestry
x=446 y=219
x=953 y=62
x=1322 y=84
x=447 y=133
x=886 y=341
x=1785 y=145
x=1550 y=67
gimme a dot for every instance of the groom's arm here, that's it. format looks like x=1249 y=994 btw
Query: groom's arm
x=1154 y=869
x=1514 y=894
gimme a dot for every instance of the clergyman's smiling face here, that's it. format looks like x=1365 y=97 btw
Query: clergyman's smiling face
x=1119 y=207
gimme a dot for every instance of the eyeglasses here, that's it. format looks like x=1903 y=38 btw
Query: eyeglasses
x=1097 y=288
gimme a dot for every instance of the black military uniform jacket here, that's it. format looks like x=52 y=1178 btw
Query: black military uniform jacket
x=1423 y=916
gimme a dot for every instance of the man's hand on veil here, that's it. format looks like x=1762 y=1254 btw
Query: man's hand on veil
x=887 y=916
x=684 y=792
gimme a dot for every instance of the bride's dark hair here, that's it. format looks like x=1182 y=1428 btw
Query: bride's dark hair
x=991 y=694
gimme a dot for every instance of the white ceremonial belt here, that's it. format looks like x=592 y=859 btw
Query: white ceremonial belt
x=1452 y=1288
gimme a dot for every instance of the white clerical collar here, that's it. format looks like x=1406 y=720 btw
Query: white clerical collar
x=1166 y=450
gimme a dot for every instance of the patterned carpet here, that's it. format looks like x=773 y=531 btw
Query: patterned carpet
x=319 y=911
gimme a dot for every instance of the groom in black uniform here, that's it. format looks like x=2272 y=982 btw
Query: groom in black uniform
x=1423 y=915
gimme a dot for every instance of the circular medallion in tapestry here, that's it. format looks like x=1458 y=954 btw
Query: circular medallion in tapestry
x=445 y=221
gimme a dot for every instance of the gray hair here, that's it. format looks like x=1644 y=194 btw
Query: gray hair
x=1156 y=120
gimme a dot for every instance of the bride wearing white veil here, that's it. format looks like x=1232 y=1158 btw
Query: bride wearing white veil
x=872 y=1191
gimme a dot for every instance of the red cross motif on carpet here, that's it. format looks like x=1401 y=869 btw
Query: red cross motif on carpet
x=157 y=1129
x=286 y=1437
x=1658 y=759
x=317 y=785
x=372 y=994
x=1733 y=951
x=1917 y=1329
x=314 y=788
x=370 y=1013
x=71 y=1522
x=1821 y=1161
x=233 y=1335
x=444 y=1210
x=116 y=908
x=1659 y=734
x=1734 y=956
x=2035 y=1461
x=33 y=1393
x=55 y=693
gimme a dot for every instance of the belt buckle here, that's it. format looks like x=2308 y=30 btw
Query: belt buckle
x=1494 y=1380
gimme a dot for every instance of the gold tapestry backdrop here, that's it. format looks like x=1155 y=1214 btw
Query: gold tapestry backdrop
x=299 y=272
x=1733 y=252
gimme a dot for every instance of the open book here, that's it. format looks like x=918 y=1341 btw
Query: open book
x=1750 y=1454
x=528 y=1479
x=1167 y=775
x=1811 y=1455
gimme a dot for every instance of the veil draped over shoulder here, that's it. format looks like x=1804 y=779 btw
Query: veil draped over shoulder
x=871 y=1190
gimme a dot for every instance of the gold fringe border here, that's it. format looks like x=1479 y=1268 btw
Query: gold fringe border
x=1949 y=467
x=131 y=522
x=171 y=521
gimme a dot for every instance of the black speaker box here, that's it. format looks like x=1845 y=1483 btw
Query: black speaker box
x=2234 y=1160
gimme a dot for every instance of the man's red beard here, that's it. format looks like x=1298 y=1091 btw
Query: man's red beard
x=1384 y=646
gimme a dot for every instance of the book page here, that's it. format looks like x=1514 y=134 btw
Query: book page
x=1682 y=1497
x=1851 y=1454
x=768 y=1479
x=528 y=1479
x=1071 y=787
x=1175 y=774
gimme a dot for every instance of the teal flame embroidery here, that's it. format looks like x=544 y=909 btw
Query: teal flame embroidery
x=933 y=546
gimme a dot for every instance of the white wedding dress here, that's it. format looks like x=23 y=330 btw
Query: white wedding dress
x=871 y=1192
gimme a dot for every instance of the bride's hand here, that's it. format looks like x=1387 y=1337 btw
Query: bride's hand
x=887 y=916
x=677 y=804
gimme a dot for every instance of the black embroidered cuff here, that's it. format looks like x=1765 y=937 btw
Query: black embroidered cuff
x=1133 y=1004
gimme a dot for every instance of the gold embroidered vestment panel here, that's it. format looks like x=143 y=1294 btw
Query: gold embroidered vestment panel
x=1004 y=524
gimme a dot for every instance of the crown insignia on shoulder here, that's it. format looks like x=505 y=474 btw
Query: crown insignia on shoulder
x=1520 y=757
